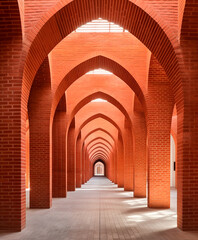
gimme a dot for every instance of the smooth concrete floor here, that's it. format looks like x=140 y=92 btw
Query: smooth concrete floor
x=100 y=210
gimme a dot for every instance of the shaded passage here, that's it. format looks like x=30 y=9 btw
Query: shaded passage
x=100 y=210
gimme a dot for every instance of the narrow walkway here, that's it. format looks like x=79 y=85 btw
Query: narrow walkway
x=100 y=210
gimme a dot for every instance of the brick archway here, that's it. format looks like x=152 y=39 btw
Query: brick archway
x=99 y=115
x=100 y=129
x=102 y=141
x=90 y=64
x=98 y=145
x=104 y=96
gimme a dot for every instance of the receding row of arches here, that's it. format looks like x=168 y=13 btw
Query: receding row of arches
x=53 y=133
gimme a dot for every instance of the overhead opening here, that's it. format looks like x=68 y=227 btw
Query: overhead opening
x=99 y=71
x=99 y=100
x=99 y=169
x=100 y=25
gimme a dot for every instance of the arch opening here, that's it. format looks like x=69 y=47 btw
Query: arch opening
x=172 y=162
x=99 y=168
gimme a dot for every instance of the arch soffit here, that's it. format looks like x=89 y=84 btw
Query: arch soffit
x=98 y=148
x=103 y=117
x=99 y=153
x=104 y=96
x=100 y=129
x=100 y=140
x=99 y=144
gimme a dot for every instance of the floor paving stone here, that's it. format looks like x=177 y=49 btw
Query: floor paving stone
x=101 y=211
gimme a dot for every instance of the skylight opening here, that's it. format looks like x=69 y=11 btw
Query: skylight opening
x=100 y=25
x=99 y=71
x=99 y=100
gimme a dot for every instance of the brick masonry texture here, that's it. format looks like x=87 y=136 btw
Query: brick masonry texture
x=52 y=134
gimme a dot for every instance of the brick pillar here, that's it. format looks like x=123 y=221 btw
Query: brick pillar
x=128 y=158
x=86 y=166
x=93 y=167
x=112 y=167
x=107 y=169
x=78 y=162
x=174 y=135
x=120 y=162
x=90 y=170
x=39 y=107
x=160 y=108
x=83 y=164
x=12 y=153
x=71 y=158
x=139 y=127
x=187 y=142
x=27 y=149
x=115 y=166
x=59 y=166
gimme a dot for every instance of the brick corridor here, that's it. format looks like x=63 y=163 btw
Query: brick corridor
x=100 y=210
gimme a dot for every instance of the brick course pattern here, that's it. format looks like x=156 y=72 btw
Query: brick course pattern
x=52 y=134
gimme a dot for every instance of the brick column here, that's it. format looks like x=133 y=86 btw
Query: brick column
x=83 y=164
x=115 y=166
x=128 y=159
x=90 y=170
x=39 y=108
x=27 y=149
x=86 y=166
x=120 y=162
x=160 y=108
x=71 y=158
x=59 y=166
x=107 y=169
x=139 y=127
x=187 y=141
x=112 y=167
x=78 y=162
x=12 y=149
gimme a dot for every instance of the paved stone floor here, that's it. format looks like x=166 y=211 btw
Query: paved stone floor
x=100 y=210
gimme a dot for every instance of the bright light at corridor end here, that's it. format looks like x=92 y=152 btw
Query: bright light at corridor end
x=99 y=100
